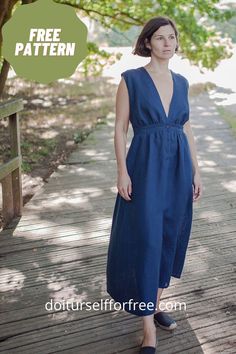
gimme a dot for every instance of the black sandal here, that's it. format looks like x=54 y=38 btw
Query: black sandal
x=147 y=349
x=164 y=321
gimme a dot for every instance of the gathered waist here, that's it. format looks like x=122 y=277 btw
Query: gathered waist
x=155 y=126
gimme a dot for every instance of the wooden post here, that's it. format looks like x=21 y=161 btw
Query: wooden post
x=14 y=130
x=10 y=172
x=7 y=200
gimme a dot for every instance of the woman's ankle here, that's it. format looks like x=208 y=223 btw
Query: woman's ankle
x=151 y=328
x=149 y=337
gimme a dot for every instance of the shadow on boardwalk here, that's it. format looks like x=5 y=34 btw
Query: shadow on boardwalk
x=58 y=250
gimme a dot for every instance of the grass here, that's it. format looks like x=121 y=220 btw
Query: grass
x=229 y=117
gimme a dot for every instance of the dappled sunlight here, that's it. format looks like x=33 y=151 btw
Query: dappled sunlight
x=66 y=228
x=99 y=156
x=91 y=192
x=210 y=138
x=65 y=202
x=206 y=113
x=61 y=316
x=230 y=186
x=114 y=189
x=223 y=98
x=208 y=169
x=63 y=290
x=11 y=279
x=208 y=163
x=73 y=170
x=208 y=214
x=41 y=102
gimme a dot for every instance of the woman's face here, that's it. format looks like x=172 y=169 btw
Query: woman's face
x=163 y=42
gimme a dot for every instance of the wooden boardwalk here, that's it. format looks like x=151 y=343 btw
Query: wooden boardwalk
x=57 y=251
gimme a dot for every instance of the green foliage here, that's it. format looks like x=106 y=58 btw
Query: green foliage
x=197 y=21
x=229 y=117
x=81 y=135
x=199 y=42
x=97 y=59
x=229 y=27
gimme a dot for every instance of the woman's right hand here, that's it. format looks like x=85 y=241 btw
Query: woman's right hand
x=124 y=185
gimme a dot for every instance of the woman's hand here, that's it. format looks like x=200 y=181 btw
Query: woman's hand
x=197 y=186
x=124 y=185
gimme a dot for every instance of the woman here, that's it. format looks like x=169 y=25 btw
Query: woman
x=157 y=181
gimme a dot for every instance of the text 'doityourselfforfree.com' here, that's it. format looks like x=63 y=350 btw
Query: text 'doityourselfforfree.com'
x=110 y=304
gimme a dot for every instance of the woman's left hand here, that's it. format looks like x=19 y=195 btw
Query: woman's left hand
x=197 y=186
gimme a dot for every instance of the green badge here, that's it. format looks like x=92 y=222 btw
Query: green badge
x=44 y=41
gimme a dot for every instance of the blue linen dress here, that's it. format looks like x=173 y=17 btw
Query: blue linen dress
x=150 y=234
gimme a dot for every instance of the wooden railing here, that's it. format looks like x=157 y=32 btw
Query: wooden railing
x=10 y=172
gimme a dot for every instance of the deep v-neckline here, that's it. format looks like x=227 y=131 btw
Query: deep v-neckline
x=157 y=92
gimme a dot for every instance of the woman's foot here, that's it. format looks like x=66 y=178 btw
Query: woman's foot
x=164 y=321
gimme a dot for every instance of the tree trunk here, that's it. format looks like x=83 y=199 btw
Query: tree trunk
x=6 y=7
x=3 y=75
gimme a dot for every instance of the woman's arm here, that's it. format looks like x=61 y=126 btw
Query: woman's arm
x=120 y=139
x=196 y=171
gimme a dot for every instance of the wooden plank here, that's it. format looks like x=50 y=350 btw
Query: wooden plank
x=100 y=206
x=68 y=223
x=11 y=277
x=38 y=294
x=58 y=253
x=7 y=200
x=14 y=130
x=28 y=260
x=84 y=265
x=71 y=239
x=33 y=218
x=9 y=167
x=15 y=315
x=11 y=106
x=51 y=193
x=97 y=227
x=84 y=334
x=17 y=192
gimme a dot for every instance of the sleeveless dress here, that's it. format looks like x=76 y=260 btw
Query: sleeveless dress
x=150 y=234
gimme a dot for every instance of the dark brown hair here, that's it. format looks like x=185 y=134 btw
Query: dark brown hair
x=149 y=28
